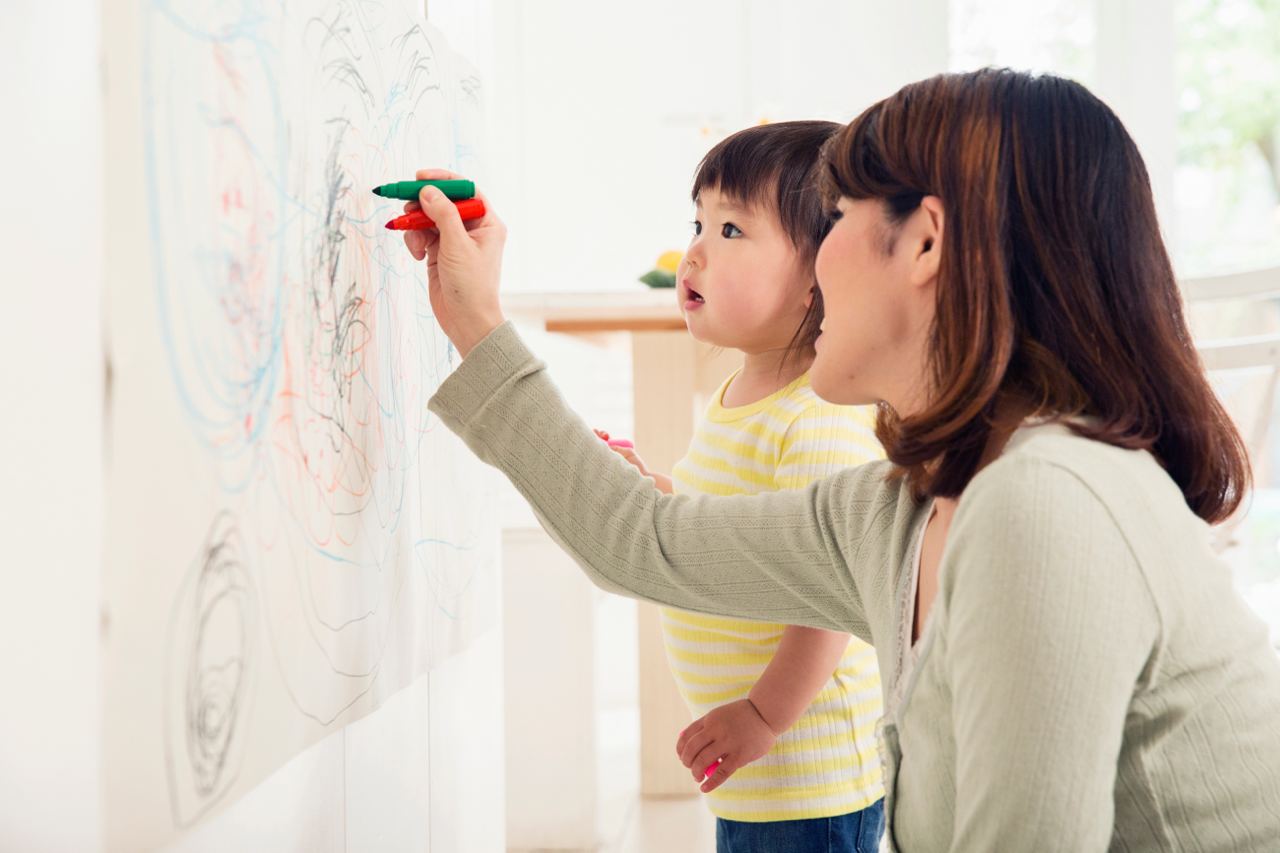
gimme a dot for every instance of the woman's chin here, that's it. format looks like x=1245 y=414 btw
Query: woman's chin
x=834 y=385
x=819 y=383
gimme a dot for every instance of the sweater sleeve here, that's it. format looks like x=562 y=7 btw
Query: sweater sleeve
x=779 y=556
x=1048 y=637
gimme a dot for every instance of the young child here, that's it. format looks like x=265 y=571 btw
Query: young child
x=788 y=712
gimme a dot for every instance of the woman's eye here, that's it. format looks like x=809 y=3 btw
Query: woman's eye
x=729 y=231
x=697 y=227
x=835 y=215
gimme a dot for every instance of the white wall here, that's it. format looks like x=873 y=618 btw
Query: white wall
x=422 y=773
x=601 y=112
x=365 y=788
x=51 y=384
x=1136 y=77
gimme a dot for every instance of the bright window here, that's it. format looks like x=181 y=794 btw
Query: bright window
x=1226 y=188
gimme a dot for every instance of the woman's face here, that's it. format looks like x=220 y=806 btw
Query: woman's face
x=878 y=284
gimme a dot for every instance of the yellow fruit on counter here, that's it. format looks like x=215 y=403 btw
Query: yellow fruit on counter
x=670 y=261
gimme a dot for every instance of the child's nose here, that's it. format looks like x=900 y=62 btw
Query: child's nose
x=695 y=256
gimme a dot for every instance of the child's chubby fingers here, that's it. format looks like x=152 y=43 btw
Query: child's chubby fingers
x=628 y=454
x=706 y=757
x=689 y=732
x=695 y=745
x=719 y=776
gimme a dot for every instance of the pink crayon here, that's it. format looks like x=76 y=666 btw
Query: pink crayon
x=614 y=442
x=712 y=768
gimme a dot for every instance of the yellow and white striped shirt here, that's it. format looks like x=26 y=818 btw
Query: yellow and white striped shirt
x=826 y=764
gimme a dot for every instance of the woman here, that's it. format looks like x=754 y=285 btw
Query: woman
x=1066 y=664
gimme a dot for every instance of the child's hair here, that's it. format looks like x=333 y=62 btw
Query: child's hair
x=777 y=167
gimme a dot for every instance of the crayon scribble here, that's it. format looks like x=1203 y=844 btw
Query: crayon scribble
x=302 y=351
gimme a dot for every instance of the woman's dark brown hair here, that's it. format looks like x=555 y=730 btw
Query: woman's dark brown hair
x=776 y=167
x=1055 y=296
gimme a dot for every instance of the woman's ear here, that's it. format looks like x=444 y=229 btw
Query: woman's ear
x=929 y=227
x=808 y=297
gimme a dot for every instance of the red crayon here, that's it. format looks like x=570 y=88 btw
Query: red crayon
x=470 y=208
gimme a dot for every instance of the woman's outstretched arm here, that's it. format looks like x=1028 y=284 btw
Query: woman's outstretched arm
x=781 y=556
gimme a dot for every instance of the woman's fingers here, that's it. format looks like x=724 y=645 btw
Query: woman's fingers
x=431 y=244
x=464 y=264
x=446 y=175
x=443 y=212
x=438 y=175
x=488 y=221
x=416 y=242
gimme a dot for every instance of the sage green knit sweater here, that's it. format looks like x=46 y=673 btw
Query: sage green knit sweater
x=1088 y=678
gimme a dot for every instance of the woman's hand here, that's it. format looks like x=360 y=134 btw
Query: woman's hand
x=464 y=263
x=733 y=734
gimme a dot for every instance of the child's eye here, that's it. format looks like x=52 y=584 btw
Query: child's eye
x=697 y=227
x=729 y=231
x=835 y=215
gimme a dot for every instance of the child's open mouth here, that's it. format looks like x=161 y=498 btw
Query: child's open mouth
x=690 y=298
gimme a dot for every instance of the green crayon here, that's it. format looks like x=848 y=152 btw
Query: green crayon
x=408 y=190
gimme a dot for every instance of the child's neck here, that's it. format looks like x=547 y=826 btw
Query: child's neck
x=762 y=374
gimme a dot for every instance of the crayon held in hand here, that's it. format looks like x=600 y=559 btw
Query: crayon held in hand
x=408 y=190
x=471 y=208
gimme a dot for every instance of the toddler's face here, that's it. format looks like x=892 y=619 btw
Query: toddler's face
x=741 y=284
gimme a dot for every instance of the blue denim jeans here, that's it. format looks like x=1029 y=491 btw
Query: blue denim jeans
x=857 y=832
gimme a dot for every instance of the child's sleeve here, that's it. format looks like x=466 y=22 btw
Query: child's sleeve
x=824 y=439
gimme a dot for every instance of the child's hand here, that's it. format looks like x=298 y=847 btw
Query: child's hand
x=735 y=734
x=625 y=450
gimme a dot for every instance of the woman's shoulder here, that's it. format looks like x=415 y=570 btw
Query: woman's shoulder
x=1041 y=456
x=1079 y=492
